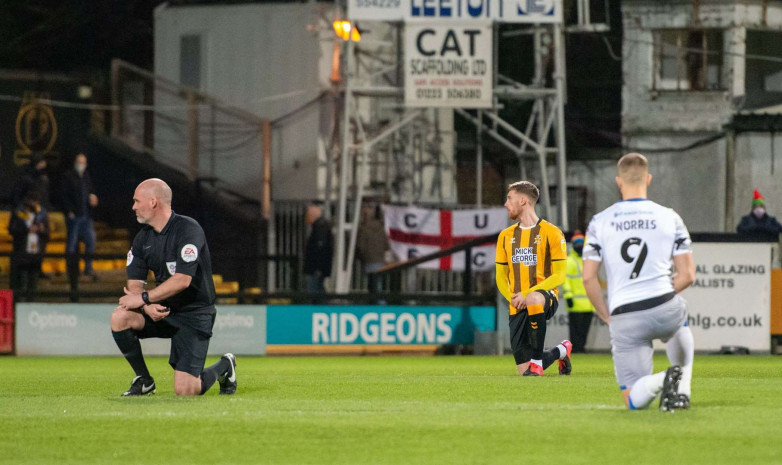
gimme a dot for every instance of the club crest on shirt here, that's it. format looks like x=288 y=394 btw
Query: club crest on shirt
x=130 y=258
x=189 y=253
x=171 y=266
x=525 y=255
x=537 y=239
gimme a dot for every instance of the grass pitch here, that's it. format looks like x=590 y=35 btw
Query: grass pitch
x=454 y=410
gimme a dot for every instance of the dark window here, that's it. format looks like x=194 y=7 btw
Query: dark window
x=763 y=75
x=190 y=61
x=688 y=59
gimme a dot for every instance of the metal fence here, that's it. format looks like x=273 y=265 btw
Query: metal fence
x=192 y=132
x=288 y=235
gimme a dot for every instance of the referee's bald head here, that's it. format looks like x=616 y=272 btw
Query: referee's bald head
x=156 y=188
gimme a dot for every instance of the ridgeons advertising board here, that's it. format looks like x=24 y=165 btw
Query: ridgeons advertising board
x=375 y=325
x=83 y=329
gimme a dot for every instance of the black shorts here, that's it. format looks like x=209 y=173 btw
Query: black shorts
x=519 y=332
x=189 y=341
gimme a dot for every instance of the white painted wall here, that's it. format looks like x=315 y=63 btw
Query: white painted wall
x=691 y=182
x=261 y=58
x=648 y=110
x=272 y=59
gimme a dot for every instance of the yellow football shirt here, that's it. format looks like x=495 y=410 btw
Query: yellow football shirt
x=529 y=253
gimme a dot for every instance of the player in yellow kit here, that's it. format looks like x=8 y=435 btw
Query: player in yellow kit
x=530 y=264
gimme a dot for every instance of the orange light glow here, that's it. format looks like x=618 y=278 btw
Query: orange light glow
x=346 y=31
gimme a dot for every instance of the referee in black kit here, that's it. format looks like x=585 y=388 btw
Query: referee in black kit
x=180 y=308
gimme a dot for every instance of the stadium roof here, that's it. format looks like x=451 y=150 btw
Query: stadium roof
x=764 y=119
x=770 y=110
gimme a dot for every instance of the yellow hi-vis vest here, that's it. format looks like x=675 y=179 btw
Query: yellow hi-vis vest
x=573 y=288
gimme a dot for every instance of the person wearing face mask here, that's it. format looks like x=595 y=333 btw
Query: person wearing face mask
x=580 y=309
x=79 y=202
x=758 y=221
x=29 y=227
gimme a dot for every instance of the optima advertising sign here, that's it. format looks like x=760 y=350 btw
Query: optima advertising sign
x=83 y=329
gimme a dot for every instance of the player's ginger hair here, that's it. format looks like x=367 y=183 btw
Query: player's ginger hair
x=633 y=168
x=526 y=188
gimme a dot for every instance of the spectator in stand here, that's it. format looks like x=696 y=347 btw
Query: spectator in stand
x=34 y=177
x=758 y=221
x=29 y=227
x=319 y=250
x=372 y=243
x=79 y=202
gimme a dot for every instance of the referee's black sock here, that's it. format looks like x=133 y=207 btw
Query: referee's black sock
x=211 y=373
x=129 y=345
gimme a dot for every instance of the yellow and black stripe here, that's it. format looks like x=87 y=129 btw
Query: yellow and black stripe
x=529 y=253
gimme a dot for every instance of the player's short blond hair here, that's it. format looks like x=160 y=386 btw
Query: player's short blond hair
x=633 y=168
x=525 y=188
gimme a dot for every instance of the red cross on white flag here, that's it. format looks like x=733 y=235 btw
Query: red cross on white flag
x=414 y=232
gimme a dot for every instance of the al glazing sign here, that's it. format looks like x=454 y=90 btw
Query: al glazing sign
x=448 y=65
x=508 y=11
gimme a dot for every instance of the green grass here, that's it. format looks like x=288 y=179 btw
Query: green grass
x=454 y=410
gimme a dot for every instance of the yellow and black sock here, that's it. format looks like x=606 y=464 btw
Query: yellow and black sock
x=537 y=327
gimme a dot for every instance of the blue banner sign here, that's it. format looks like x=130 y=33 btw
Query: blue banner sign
x=392 y=325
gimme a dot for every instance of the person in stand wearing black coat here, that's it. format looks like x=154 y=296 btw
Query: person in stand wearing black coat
x=758 y=221
x=34 y=177
x=319 y=250
x=79 y=202
x=29 y=227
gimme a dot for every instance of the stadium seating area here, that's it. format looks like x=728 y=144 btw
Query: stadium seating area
x=110 y=272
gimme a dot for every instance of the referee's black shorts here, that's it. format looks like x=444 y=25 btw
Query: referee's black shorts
x=189 y=339
x=519 y=328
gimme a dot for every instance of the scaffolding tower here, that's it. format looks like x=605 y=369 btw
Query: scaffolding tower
x=541 y=140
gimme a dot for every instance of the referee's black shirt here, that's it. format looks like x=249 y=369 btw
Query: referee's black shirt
x=180 y=247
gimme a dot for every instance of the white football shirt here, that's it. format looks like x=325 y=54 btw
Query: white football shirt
x=636 y=240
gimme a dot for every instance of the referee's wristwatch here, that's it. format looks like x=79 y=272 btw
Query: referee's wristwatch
x=145 y=298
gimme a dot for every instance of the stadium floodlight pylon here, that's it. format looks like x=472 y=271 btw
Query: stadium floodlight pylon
x=534 y=143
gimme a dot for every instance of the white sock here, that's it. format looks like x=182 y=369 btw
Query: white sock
x=645 y=390
x=686 y=381
x=537 y=362
x=681 y=351
x=562 y=351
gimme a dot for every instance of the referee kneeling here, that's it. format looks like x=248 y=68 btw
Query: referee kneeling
x=181 y=306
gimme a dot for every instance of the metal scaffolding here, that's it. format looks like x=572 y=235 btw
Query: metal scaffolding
x=541 y=141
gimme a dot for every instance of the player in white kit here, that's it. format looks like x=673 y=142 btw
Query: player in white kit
x=638 y=241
